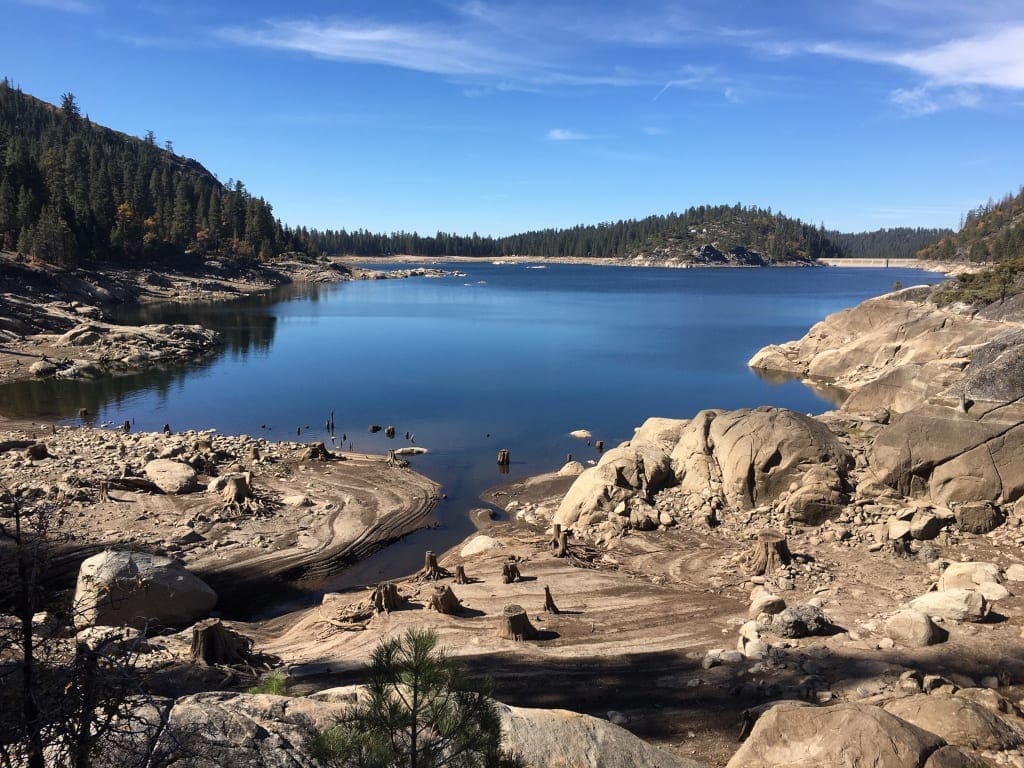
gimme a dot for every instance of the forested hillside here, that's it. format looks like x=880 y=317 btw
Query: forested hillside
x=681 y=236
x=991 y=232
x=72 y=191
x=891 y=243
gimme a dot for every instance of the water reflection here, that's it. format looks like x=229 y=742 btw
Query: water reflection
x=823 y=389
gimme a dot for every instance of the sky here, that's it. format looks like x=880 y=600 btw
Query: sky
x=499 y=117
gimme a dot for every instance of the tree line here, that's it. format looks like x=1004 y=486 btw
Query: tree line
x=72 y=192
x=991 y=232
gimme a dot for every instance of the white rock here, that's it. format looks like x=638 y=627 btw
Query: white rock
x=478 y=545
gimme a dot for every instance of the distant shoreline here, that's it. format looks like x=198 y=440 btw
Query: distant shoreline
x=928 y=266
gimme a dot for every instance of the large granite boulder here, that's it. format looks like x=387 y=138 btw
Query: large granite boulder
x=789 y=736
x=118 y=588
x=638 y=467
x=751 y=457
x=969 y=575
x=238 y=730
x=722 y=459
x=171 y=476
x=996 y=371
x=953 y=604
x=913 y=629
x=953 y=456
x=959 y=721
x=557 y=738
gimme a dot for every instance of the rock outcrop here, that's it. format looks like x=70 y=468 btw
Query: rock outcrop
x=721 y=461
x=959 y=721
x=138 y=589
x=893 y=352
x=789 y=736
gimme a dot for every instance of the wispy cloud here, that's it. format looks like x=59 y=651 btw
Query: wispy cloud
x=564 y=134
x=408 y=47
x=68 y=6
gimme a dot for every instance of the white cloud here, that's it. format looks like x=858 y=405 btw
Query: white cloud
x=563 y=134
x=69 y=6
x=408 y=47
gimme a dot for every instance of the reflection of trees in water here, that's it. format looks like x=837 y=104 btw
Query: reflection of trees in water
x=62 y=398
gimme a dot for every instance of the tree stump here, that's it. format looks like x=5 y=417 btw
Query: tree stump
x=431 y=571
x=503 y=458
x=385 y=597
x=394 y=461
x=510 y=571
x=238 y=489
x=599 y=446
x=901 y=548
x=560 y=544
x=515 y=624
x=460 y=575
x=389 y=432
x=37 y=452
x=444 y=600
x=374 y=428
x=768 y=553
x=549 y=603
x=213 y=643
x=316 y=452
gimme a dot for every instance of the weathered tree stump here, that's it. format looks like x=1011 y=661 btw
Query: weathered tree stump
x=515 y=624
x=560 y=543
x=599 y=445
x=374 y=428
x=510 y=571
x=460 y=575
x=549 y=603
x=213 y=643
x=103 y=495
x=901 y=548
x=503 y=458
x=768 y=553
x=389 y=432
x=238 y=489
x=393 y=460
x=431 y=571
x=444 y=600
x=126 y=427
x=385 y=597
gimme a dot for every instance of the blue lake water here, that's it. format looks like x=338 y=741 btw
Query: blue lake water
x=506 y=357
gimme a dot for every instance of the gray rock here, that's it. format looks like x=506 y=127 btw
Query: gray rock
x=800 y=621
x=979 y=517
x=136 y=589
x=913 y=629
x=766 y=603
x=925 y=526
x=959 y=721
x=171 y=476
x=954 y=604
x=790 y=736
x=968 y=575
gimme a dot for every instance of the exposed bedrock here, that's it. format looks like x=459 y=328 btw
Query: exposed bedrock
x=722 y=461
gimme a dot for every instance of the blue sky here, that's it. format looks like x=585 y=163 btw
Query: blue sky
x=498 y=117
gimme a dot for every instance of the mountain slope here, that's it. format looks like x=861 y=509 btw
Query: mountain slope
x=991 y=232
x=72 y=191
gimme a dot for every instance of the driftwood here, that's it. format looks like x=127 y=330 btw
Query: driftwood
x=354 y=617
x=15 y=445
x=460 y=575
x=549 y=603
x=510 y=571
x=444 y=600
x=431 y=571
x=515 y=624
x=769 y=552
x=132 y=484
x=214 y=644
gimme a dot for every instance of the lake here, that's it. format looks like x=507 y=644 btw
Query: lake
x=507 y=357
